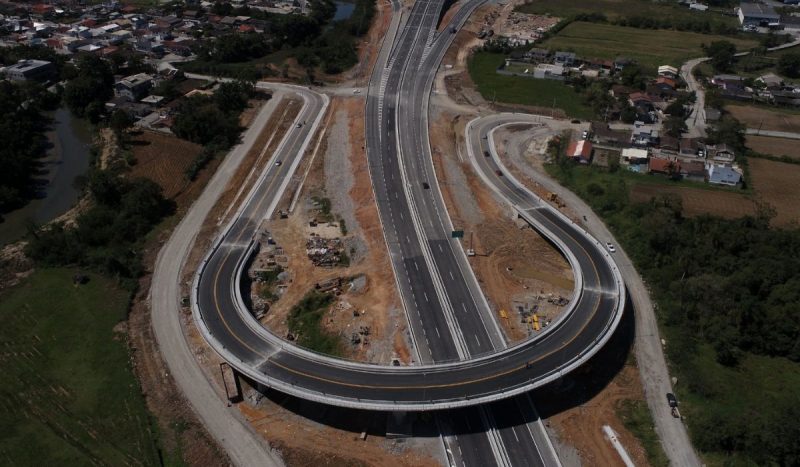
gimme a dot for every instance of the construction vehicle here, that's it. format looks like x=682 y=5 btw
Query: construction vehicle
x=503 y=314
x=535 y=319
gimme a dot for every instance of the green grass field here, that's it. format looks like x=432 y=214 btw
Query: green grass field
x=521 y=90
x=68 y=395
x=650 y=48
x=614 y=9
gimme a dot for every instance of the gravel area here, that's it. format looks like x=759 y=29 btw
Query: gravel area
x=339 y=182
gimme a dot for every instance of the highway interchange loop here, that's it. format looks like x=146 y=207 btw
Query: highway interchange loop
x=476 y=377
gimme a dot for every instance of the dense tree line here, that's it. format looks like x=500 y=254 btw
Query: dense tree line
x=313 y=39
x=212 y=121
x=22 y=132
x=731 y=285
x=108 y=235
x=93 y=84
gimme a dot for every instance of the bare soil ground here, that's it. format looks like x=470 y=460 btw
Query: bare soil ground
x=776 y=183
x=350 y=192
x=581 y=427
x=697 y=201
x=324 y=439
x=774 y=146
x=513 y=264
x=164 y=158
x=765 y=119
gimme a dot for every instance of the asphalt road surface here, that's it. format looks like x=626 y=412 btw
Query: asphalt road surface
x=649 y=355
x=265 y=358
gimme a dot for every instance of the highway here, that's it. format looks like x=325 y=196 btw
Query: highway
x=510 y=430
x=226 y=323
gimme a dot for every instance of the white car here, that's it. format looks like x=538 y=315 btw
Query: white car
x=610 y=247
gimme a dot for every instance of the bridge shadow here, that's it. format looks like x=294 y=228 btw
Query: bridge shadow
x=573 y=390
x=584 y=383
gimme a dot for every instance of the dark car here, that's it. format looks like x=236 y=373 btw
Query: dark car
x=672 y=400
x=425 y=185
x=499 y=173
x=486 y=154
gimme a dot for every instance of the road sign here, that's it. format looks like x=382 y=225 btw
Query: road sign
x=457 y=234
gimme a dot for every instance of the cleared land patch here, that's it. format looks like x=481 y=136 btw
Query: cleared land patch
x=775 y=146
x=525 y=91
x=649 y=47
x=67 y=392
x=765 y=119
x=163 y=159
x=776 y=183
x=698 y=201
x=614 y=9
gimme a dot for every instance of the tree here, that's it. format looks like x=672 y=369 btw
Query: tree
x=634 y=76
x=722 y=54
x=119 y=122
x=233 y=96
x=675 y=125
x=789 y=65
x=201 y=121
x=86 y=94
x=728 y=131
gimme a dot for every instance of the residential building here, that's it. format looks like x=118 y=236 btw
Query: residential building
x=771 y=81
x=548 y=71
x=757 y=14
x=634 y=156
x=566 y=59
x=30 y=70
x=693 y=170
x=134 y=87
x=644 y=135
x=722 y=175
x=668 y=71
x=664 y=166
x=537 y=55
x=721 y=154
x=580 y=151
x=602 y=134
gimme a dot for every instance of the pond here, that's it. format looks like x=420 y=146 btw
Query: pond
x=67 y=159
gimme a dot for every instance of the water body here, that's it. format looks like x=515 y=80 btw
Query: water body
x=67 y=159
x=344 y=10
